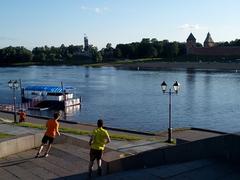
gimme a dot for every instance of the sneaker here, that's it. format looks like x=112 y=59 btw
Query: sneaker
x=99 y=171
x=45 y=155
x=37 y=155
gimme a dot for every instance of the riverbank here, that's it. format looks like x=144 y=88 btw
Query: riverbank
x=150 y=64
x=176 y=65
x=39 y=123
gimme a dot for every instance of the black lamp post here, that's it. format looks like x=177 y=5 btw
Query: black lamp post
x=14 y=84
x=176 y=87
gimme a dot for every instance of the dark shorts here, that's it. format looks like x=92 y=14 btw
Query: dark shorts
x=48 y=139
x=21 y=120
x=95 y=154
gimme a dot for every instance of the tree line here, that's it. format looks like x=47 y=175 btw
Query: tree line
x=236 y=42
x=77 y=54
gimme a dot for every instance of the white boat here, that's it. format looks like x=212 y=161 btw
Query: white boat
x=55 y=97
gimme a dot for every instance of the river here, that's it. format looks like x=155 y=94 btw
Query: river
x=134 y=99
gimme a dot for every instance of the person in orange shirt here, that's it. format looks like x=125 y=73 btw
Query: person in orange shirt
x=22 y=116
x=51 y=132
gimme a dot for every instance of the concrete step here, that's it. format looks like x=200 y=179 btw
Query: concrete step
x=83 y=153
x=58 y=164
x=198 y=169
x=74 y=151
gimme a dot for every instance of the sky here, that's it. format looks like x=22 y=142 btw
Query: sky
x=34 y=23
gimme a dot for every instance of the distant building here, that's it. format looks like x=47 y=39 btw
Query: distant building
x=208 y=41
x=210 y=48
x=86 y=45
x=86 y=51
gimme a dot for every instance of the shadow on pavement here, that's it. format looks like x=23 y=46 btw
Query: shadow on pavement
x=82 y=176
x=15 y=162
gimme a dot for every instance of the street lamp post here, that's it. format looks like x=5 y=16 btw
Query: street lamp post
x=14 y=84
x=176 y=86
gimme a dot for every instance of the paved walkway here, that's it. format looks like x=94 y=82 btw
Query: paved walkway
x=207 y=169
x=68 y=161
x=64 y=160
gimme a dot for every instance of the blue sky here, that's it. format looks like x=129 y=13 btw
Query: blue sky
x=32 y=23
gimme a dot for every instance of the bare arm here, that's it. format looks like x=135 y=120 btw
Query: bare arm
x=91 y=139
x=108 y=139
x=58 y=133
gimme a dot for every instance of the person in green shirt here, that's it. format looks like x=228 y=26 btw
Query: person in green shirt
x=98 y=140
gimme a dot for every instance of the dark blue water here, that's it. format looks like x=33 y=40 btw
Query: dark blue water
x=134 y=100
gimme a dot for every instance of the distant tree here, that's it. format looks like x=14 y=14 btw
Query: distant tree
x=182 y=49
x=117 y=53
x=174 y=49
x=199 y=44
x=154 y=41
x=96 y=55
x=18 y=54
x=146 y=40
x=107 y=52
x=39 y=54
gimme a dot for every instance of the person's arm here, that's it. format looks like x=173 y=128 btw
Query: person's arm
x=108 y=138
x=91 y=140
x=58 y=133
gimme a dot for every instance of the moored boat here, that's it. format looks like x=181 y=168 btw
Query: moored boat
x=46 y=97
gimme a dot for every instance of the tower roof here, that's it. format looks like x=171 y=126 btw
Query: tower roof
x=208 y=38
x=191 y=37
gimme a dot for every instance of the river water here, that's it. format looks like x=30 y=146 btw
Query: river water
x=134 y=100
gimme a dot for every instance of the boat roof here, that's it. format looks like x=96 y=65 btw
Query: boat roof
x=53 y=89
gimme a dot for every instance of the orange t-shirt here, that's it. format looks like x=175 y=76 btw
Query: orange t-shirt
x=52 y=128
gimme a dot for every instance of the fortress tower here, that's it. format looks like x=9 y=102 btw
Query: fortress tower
x=191 y=43
x=86 y=45
x=208 y=41
x=210 y=48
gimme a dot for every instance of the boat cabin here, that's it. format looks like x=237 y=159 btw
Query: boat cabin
x=50 y=95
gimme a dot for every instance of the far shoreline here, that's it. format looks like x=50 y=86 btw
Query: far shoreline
x=150 y=64
x=177 y=66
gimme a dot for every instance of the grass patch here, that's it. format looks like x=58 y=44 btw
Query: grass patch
x=81 y=132
x=4 y=135
x=31 y=125
x=125 y=137
x=75 y=131
x=135 y=61
x=125 y=61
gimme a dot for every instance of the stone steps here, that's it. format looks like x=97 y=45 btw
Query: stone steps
x=64 y=160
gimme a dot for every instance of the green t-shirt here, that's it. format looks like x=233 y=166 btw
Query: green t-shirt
x=99 y=138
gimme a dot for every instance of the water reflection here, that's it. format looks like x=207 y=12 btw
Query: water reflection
x=71 y=110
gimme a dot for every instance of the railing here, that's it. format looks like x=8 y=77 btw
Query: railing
x=7 y=107
x=23 y=106
x=72 y=102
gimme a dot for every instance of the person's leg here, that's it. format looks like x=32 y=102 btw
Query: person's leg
x=48 y=149
x=92 y=158
x=90 y=167
x=50 y=141
x=99 y=163
x=40 y=150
